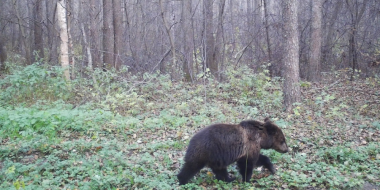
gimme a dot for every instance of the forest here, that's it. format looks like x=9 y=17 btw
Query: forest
x=106 y=94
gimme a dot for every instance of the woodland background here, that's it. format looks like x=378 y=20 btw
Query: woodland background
x=106 y=94
x=183 y=37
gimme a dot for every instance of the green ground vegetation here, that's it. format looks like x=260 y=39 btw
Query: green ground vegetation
x=108 y=130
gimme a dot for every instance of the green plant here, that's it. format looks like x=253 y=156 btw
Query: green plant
x=33 y=83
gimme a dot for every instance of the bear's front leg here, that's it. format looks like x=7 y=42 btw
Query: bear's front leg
x=246 y=165
x=265 y=161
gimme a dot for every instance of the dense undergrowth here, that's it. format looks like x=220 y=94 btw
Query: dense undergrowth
x=131 y=132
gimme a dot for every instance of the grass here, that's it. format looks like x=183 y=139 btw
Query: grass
x=131 y=132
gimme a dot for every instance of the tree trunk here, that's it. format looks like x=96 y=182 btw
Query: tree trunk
x=38 y=40
x=209 y=41
x=327 y=52
x=170 y=36
x=219 y=46
x=187 y=35
x=23 y=33
x=88 y=48
x=62 y=22
x=52 y=43
x=3 y=56
x=118 y=28
x=258 y=22
x=314 y=73
x=291 y=89
x=94 y=39
x=108 y=34
x=71 y=45
x=29 y=23
x=271 y=67
x=356 y=16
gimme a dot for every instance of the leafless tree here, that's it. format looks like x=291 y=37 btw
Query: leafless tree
x=330 y=23
x=94 y=16
x=23 y=34
x=187 y=36
x=267 y=36
x=108 y=34
x=219 y=42
x=316 y=41
x=118 y=33
x=61 y=14
x=170 y=35
x=356 y=11
x=292 y=93
x=184 y=38
x=209 y=41
x=38 y=37
x=52 y=32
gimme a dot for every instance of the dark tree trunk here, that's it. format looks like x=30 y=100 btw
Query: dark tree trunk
x=118 y=31
x=271 y=67
x=108 y=34
x=187 y=35
x=38 y=40
x=209 y=40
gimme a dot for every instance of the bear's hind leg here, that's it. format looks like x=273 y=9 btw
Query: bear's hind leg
x=265 y=161
x=222 y=174
x=188 y=171
x=246 y=166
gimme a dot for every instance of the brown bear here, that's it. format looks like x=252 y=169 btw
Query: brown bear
x=220 y=145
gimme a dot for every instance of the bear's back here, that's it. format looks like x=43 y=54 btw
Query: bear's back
x=218 y=143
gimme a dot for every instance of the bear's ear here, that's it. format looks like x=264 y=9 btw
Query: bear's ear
x=266 y=119
x=271 y=129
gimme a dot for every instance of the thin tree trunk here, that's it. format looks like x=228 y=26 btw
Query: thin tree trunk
x=52 y=32
x=219 y=47
x=118 y=31
x=267 y=37
x=356 y=16
x=187 y=35
x=329 y=39
x=171 y=37
x=23 y=34
x=291 y=89
x=3 y=56
x=314 y=73
x=209 y=40
x=62 y=22
x=38 y=40
x=88 y=48
x=94 y=34
x=258 y=21
x=108 y=34
x=71 y=46
x=30 y=28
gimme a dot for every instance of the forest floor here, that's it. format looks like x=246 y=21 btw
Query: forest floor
x=131 y=132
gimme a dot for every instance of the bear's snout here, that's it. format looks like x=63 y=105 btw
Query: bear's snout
x=283 y=148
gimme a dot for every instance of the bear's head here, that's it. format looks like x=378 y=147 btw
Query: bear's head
x=278 y=138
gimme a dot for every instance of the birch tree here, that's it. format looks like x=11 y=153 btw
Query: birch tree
x=62 y=22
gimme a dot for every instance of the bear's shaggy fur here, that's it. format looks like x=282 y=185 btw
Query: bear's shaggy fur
x=220 y=145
